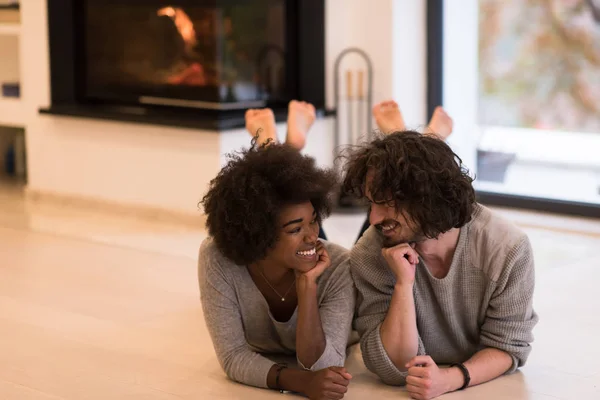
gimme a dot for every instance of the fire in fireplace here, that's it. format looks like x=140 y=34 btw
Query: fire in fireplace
x=206 y=54
x=213 y=58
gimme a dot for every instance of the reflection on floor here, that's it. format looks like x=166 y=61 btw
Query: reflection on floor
x=96 y=306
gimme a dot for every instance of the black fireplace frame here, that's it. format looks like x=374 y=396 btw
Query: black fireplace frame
x=306 y=62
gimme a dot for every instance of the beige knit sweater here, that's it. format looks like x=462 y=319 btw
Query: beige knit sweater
x=484 y=301
x=247 y=339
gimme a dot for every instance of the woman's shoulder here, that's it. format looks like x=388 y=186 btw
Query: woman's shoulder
x=340 y=265
x=211 y=260
x=338 y=254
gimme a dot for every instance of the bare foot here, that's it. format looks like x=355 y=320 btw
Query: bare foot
x=261 y=122
x=441 y=124
x=388 y=117
x=301 y=116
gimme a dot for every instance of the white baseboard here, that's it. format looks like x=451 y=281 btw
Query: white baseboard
x=114 y=208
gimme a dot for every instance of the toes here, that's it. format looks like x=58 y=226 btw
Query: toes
x=302 y=106
x=268 y=111
x=390 y=104
x=384 y=105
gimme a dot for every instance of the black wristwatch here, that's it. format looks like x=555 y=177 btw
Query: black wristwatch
x=465 y=373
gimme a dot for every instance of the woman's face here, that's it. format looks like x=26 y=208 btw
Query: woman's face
x=297 y=238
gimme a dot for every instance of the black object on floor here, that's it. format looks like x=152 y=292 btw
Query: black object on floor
x=364 y=228
x=492 y=165
x=322 y=234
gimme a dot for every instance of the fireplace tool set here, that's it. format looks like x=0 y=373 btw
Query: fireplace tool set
x=353 y=107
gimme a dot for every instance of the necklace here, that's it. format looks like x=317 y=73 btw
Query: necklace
x=275 y=290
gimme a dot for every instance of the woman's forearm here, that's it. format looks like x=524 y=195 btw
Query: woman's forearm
x=294 y=380
x=310 y=338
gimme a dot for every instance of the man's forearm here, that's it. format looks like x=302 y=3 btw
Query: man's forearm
x=310 y=338
x=488 y=364
x=485 y=365
x=398 y=332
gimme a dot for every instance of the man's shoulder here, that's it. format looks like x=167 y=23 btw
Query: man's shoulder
x=369 y=245
x=491 y=240
x=365 y=256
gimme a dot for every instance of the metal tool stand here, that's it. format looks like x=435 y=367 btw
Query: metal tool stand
x=344 y=202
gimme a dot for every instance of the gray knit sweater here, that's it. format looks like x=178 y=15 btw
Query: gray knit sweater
x=484 y=301
x=246 y=337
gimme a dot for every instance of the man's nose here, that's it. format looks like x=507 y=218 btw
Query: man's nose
x=376 y=214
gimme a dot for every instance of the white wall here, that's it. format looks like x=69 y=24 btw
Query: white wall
x=169 y=168
x=461 y=64
x=409 y=62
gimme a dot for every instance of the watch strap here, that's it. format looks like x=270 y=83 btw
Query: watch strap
x=465 y=373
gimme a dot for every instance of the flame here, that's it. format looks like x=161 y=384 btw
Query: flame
x=183 y=23
x=193 y=74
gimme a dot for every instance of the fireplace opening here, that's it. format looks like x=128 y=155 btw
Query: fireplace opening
x=225 y=55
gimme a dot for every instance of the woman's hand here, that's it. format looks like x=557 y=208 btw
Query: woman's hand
x=323 y=262
x=328 y=384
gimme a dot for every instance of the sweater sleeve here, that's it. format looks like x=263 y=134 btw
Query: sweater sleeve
x=375 y=286
x=510 y=317
x=224 y=322
x=336 y=311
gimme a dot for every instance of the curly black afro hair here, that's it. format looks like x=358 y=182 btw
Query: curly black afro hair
x=243 y=201
x=417 y=174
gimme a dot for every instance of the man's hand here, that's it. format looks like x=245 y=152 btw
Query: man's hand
x=402 y=260
x=426 y=380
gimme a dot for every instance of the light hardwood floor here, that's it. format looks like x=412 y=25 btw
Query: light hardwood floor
x=103 y=307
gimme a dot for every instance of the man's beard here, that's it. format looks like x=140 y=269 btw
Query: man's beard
x=394 y=241
x=391 y=242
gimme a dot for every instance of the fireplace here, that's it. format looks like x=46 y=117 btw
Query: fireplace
x=184 y=62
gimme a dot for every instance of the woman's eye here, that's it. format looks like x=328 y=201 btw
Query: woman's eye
x=295 y=230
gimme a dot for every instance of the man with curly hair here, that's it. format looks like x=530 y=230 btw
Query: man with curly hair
x=270 y=290
x=441 y=279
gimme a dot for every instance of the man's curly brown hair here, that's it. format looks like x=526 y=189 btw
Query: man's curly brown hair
x=417 y=174
x=244 y=200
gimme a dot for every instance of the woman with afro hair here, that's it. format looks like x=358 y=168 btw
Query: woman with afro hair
x=278 y=302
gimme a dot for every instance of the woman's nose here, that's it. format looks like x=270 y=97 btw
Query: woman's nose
x=312 y=236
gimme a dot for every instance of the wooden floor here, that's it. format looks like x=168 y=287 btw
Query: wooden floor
x=100 y=307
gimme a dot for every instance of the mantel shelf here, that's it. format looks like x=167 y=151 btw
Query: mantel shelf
x=174 y=117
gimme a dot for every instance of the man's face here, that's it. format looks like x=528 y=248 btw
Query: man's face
x=395 y=226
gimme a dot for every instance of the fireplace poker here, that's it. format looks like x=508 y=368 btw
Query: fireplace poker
x=361 y=106
x=349 y=108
